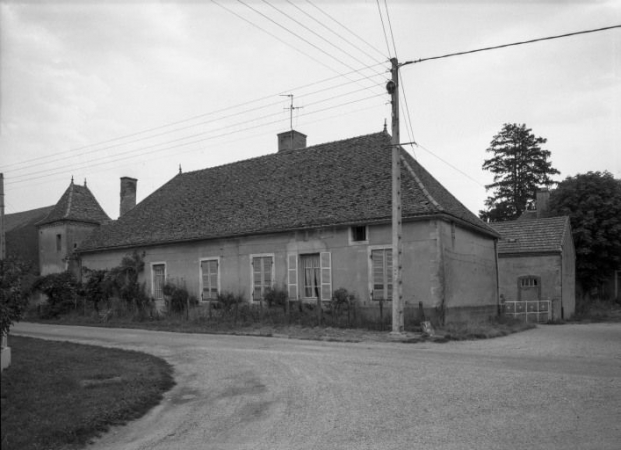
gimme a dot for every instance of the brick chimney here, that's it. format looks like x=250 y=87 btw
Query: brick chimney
x=128 y=194
x=542 y=203
x=290 y=140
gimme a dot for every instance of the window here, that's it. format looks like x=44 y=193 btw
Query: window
x=209 y=276
x=59 y=242
x=381 y=273
x=359 y=234
x=529 y=288
x=262 y=275
x=311 y=272
x=158 y=273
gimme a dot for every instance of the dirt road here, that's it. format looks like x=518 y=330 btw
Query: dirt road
x=555 y=387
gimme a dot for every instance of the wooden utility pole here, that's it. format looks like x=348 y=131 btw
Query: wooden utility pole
x=397 y=286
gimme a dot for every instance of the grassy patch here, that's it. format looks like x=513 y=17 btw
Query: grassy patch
x=497 y=327
x=597 y=311
x=61 y=395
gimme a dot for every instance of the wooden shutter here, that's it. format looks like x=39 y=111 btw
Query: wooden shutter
x=326 y=276
x=292 y=275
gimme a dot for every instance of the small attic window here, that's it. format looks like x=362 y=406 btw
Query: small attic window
x=359 y=234
x=59 y=242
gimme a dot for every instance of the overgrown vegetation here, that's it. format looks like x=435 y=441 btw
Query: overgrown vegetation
x=61 y=395
x=14 y=292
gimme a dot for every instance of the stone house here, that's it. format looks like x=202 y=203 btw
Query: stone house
x=537 y=261
x=308 y=220
x=74 y=217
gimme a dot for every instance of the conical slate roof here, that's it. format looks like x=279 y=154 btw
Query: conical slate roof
x=77 y=204
x=338 y=183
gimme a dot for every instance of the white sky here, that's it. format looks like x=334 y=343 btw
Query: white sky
x=193 y=83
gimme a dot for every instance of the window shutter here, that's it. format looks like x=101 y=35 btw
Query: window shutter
x=326 y=276
x=292 y=275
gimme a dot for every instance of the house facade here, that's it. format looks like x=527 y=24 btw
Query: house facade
x=537 y=261
x=308 y=220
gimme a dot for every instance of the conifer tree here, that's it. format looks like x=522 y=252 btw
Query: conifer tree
x=520 y=166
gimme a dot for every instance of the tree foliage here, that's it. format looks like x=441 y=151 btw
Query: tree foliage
x=13 y=294
x=520 y=166
x=593 y=203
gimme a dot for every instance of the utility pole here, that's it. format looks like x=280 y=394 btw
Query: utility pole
x=2 y=236
x=397 y=247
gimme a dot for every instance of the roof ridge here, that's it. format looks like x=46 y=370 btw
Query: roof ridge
x=312 y=147
x=69 y=200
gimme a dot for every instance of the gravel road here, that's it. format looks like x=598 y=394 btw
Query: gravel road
x=554 y=387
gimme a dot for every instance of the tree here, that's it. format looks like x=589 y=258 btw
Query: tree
x=520 y=166
x=593 y=203
x=13 y=292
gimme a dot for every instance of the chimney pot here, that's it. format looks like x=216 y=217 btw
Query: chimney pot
x=128 y=194
x=290 y=140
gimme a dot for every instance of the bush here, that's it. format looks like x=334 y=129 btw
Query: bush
x=275 y=296
x=227 y=300
x=61 y=290
x=179 y=297
x=13 y=295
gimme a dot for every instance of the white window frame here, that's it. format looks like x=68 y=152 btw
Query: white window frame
x=301 y=269
x=260 y=255
x=200 y=275
x=153 y=264
x=350 y=235
x=371 y=283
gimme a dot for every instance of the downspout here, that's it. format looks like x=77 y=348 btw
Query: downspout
x=498 y=310
x=562 y=284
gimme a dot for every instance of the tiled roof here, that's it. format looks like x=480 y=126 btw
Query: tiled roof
x=338 y=183
x=25 y=218
x=77 y=204
x=533 y=235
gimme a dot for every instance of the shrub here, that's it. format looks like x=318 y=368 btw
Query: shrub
x=275 y=296
x=179 y=297
x=227 y=300
x=13 y=295
x=61 y=290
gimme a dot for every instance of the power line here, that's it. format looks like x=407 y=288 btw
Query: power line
x=296 y=35
x=107 y=160
x=379 y=10
x=312 y=31
x=548 y=38
x=60 y=157
x=447 y=163
x=347 y=29
x=392 y=36
x=331 y=30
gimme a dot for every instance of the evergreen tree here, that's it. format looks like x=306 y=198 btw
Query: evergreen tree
x=520 y=166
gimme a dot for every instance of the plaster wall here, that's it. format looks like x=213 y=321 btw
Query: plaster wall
x=547 y=267
x=53 y=259
x=423 y=277
x=469 y=265
x=568 y=277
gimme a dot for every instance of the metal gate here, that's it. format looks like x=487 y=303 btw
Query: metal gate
x=529 y=310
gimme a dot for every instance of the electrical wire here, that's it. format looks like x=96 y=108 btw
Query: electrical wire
x=448 y=163
x=312 y=31
x=379 y=10
x=107 y=160
x=99 y=149
x=531 y=41
x=346 y=28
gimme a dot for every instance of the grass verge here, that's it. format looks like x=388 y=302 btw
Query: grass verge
x=485 y=330
x=61 y=395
